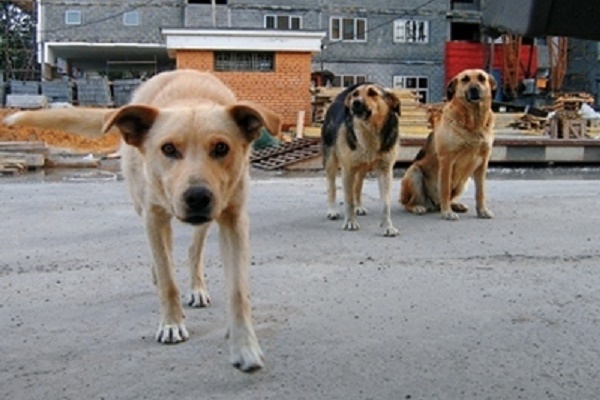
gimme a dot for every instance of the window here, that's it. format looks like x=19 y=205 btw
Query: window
x=411 y=31
x=217 y=2
x=417 y=84
x=131 y=18
x=348 y=29
x=73 y=17
x=347 y=80
x=283 y=22
x=244 y=61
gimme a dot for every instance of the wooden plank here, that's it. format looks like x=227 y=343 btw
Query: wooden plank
x=24 y=147
x=31 y=160
x=72 y=162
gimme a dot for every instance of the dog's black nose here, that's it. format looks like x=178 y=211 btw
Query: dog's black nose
x=198 y=200
x=474 y=94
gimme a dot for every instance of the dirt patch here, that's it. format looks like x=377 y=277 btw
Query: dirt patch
x=59 y=139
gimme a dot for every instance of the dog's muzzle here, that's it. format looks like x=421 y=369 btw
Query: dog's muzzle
x=360 y=110
x=199 y=203
x=474 y=94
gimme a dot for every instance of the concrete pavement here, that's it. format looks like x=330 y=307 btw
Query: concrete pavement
x=475 y=309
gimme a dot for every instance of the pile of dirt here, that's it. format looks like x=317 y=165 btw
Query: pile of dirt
x=59 y=139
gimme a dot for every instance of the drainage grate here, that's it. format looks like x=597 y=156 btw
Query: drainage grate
x=277 y=157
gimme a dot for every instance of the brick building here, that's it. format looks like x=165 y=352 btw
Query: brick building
x=270 y=67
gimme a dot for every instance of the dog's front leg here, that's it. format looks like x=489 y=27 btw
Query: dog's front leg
x=359 y=209
x=199 y=295
x=385 y=194
x=348 y=182
x=158 y=228
x=479 y=177
x=245 y=351
x=445 y=188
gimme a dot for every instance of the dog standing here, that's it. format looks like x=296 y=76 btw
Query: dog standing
x=459 y=148
x=185 y=155
x=360 y=135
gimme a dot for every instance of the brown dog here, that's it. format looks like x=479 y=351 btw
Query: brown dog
x=185 y=155
x=360 y=134
x=458 y=148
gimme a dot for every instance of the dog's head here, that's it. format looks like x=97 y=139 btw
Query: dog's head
x=370 y=101
x=195 y=158
x=472 y=86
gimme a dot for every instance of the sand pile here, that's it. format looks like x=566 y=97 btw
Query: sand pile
x=59 y=139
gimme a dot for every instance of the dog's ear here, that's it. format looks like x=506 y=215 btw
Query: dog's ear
x=493 y=85
x=249 y=119
x=393 y=101
x=451 y=89
x=271 y=120
x=133 y=122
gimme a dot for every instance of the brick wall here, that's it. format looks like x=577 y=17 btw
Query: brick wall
x=285 y=91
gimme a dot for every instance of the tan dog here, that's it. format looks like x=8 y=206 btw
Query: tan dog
x=360 y=135
x=185 y=155
x=457 y=149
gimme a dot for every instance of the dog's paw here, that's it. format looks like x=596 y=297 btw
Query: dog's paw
x=351 y=225
x=485 y=213
x=333 y=214
x=390 y=231
x=175 y=333
x=199 y=299
x=360 y=210
x=450 y=216
x=459 y=207
x=247 y=357
x=419 y=210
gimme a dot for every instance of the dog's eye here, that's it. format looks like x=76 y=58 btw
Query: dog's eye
x=372 y=92
x=481 y=78
x=220 y=150
x=170 y=151
x=465 y=79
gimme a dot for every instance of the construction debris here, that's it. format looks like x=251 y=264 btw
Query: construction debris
x=277 y=157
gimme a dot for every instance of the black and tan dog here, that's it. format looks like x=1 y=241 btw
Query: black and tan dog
x=360 y=135
x=458 y=148
x=185 y=155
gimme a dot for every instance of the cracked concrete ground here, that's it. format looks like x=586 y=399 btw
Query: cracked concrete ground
x=507 y=308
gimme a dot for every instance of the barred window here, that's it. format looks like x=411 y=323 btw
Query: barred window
x=411 y=31
x=244 y=61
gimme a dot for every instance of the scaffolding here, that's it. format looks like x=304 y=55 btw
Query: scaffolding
x=18 y=45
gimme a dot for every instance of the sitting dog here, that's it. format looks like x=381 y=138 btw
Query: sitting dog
x=185 y=154
x=360 y=134
x=457 y=149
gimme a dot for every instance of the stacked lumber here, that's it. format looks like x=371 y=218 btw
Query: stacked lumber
x=416 y=118
x=413 y=122
x=572 y=101
x=17 y=157
x=529 y=122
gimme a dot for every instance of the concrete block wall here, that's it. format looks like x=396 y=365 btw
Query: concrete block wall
x=24 y=87
x=58 y=91
x=122 y=90
x=285 y=91
x=94 y=92
x=99 y=25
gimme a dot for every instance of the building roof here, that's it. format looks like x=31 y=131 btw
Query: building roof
x=242 y=39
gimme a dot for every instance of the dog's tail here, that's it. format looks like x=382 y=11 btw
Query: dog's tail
x=84 y=121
